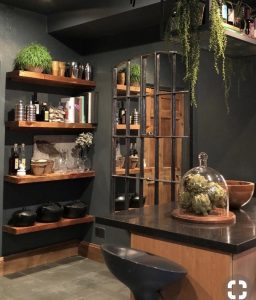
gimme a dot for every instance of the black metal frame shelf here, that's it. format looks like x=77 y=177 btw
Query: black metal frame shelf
x=155 y=92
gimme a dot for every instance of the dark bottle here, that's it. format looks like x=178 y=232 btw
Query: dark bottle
x=122 y=114
x=14 y=160
x=44 y=112
x=248 y=20
x=133 y=150
x=36 y=103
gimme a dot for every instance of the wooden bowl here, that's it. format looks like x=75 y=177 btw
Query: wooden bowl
x=240 y=193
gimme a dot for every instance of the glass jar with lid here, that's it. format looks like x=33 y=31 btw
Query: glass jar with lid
x=203 y=192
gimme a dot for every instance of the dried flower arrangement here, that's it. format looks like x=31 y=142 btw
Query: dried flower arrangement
x=84 y=140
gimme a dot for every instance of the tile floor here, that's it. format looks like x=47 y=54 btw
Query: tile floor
x=74 y=278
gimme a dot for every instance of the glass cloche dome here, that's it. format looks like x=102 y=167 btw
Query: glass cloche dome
x=203 y=191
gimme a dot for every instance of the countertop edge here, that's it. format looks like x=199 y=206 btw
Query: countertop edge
x=178 y=237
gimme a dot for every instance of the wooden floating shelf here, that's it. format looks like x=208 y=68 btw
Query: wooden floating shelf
x=131 y=171
x=14 y=125
x=46 y=226
x=123 y=127
x=49 y=80
x=49 y=177
x=121 y=89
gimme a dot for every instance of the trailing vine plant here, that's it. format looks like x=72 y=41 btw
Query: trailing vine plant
x=218 y=43
x=185 y=20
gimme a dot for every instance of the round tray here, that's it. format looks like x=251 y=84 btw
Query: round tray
x=211 y=219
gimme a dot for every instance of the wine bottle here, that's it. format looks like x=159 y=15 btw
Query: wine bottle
x=14 y=160
x=44 y=112
x=36 y=103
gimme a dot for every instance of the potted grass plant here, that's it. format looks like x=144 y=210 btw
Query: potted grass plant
x=34 y=57
x=135 y=75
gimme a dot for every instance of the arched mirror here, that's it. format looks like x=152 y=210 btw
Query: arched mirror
x=150 y=130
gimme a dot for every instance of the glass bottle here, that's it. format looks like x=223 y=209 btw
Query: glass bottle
x=36 y=103
x=22 y=156
x=231 y=14
x=14 y=160
x=224 y=12
x=45 y=112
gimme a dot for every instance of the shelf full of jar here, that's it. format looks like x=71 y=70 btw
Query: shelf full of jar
x=46 y=226
x=239 y=26
x=14 y=125
x=49 y=177
x=50 y=80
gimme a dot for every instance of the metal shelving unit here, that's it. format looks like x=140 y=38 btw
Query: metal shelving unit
x=140 y=95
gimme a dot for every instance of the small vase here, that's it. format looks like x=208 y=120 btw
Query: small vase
x=83 y=162
x=121 y=78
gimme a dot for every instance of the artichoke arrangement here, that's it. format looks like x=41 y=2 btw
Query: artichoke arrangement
x=201 y=196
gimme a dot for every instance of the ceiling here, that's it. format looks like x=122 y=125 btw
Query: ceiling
x=90 y=26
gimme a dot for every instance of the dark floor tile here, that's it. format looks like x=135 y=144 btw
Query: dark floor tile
x=36 y=269
x=69 y=260
x=14 y=275
x=75 y=278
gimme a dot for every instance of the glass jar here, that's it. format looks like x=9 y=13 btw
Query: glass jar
x=203 y=191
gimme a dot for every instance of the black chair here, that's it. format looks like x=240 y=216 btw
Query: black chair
x=143 y=273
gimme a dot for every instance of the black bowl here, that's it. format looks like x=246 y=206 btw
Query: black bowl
x=50 y=212
x=23 y=218
x=135 y=201
x=120 y=202
x=73 y=210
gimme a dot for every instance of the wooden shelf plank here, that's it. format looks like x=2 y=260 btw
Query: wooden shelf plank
x=46 y=226
x=14 y=125
x=50 y=80
x=121 y=89
x=131 y=171
x=48 y=177
x=123 y=127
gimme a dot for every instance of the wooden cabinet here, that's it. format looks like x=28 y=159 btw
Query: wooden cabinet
x=208 y=271
x=159 y=136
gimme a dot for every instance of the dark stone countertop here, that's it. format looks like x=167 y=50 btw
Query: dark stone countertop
x=157 y=222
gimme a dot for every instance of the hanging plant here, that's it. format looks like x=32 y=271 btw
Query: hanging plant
x=185 y=20
x=218 y=39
